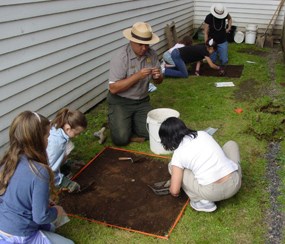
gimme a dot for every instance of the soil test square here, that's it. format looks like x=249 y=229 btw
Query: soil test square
x=120 y=196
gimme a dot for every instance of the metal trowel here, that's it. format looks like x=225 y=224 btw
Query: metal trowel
x=86 y=187
x=132 y=160
x=161 y=188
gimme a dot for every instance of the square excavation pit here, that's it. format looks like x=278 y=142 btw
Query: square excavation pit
x=231 y=71
x=119 y=195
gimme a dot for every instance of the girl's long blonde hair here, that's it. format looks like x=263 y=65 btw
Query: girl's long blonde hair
x=26 y=134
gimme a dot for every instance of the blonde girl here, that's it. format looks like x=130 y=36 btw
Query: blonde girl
x=25 y=184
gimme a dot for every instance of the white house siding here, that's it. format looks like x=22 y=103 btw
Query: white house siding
x=244 y=12
x=56 y=53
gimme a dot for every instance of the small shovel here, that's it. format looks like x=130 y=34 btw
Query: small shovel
x=130 y=159
x=160 y=188
x=85 y=188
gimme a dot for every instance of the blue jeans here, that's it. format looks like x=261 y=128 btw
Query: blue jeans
x=167 y=58
x=39 y=237
x=222 y=52
x=56 y=238
x=180 y=67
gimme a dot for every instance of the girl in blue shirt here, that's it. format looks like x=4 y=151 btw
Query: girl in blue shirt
x=25 y=184
x=66 y=125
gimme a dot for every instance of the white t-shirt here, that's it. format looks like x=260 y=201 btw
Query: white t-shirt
x=204 y=157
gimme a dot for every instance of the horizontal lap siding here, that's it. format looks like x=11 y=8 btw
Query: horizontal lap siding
x=56 y=53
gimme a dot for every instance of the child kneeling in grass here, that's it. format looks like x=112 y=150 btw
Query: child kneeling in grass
x=66 y=125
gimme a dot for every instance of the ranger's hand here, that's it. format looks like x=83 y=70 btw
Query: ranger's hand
x=144 y=73
x=155 y=72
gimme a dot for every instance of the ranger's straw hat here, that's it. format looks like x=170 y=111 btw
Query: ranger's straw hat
x=141 y=33
x=219 y=11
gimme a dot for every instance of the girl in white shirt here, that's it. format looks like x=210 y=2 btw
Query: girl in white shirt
x=205 y=171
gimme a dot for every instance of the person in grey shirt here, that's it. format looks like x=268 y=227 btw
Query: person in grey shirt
x=131 y=70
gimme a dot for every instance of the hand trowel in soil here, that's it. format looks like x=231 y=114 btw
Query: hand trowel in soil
x=85 y=188
x=160 y=188
x=132 y=160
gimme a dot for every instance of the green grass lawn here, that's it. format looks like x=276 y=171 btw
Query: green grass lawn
x=201 y=105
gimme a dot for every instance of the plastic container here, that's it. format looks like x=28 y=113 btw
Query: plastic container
x=154 y=120
x=250 y=34
x=239 y=37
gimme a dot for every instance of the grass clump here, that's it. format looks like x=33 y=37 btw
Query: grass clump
x=266 y=120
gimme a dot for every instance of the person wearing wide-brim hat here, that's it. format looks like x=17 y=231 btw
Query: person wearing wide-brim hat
x=216 y=25
x=132 y=68
x=141 y=33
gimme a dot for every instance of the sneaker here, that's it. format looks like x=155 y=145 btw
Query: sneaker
x=101 y=135
x=203 y=206
x=152 y=87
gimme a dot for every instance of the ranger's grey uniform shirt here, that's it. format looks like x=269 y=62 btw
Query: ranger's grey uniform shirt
x=125 y=63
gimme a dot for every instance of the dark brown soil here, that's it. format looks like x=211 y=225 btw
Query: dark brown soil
x=120 y=195
x=231 y=71
x=250 y=90
x=253 y=52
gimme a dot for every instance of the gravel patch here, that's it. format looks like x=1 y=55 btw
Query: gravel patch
x=275 y=219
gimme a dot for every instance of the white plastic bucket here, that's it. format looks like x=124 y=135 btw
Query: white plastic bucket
x=250 y=34
x=154 y=119
x=239 y=37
